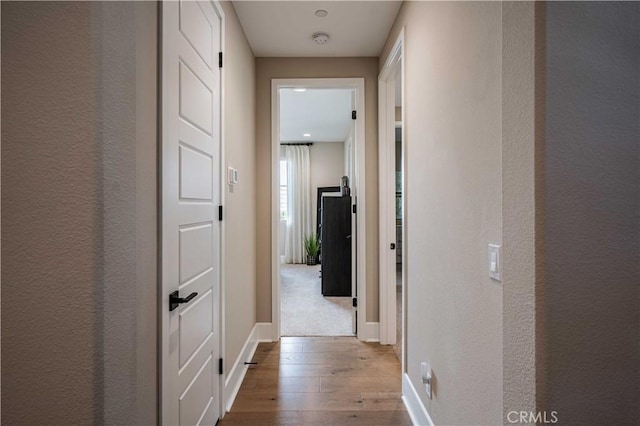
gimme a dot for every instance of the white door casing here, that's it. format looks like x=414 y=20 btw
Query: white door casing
x=354 y=220
x=358 y=194
x=392 y=69
x=190 y=196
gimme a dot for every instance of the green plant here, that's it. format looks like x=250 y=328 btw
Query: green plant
x=312 y=245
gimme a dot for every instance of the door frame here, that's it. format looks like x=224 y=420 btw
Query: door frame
x=358 y=193
x=393 y=68
x=217 y=6
x=162 y=297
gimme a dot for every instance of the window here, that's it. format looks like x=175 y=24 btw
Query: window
x=283 y=190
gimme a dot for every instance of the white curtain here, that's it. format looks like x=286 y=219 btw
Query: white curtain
x=298 y=203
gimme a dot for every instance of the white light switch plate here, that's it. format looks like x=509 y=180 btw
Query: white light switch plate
x=232 y=176
x=425 y=372
x=495 y=262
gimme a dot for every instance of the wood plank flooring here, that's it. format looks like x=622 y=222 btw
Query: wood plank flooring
x=320 y=381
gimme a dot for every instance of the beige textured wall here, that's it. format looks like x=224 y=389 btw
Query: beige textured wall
x=267 y=69
x=591 y=182
x=519 y=206
x=327 y=167
x=0 y=252
x=240 y=202
x=146 y=14
x=50 y=249
x=79 y=324
x=81 y=269
x=454 y=196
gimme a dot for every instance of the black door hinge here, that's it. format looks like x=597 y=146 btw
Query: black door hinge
x=220 y=213
x=220 y=365
x=354 y=209
x=355 y=302
x=219 y=59
x=354 y=115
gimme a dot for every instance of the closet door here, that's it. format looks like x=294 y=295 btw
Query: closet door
x=191 y=162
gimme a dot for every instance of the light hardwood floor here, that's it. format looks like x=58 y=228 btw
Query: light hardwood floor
x=321 y=381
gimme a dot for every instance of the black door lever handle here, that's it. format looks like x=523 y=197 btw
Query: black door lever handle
x=175 y=300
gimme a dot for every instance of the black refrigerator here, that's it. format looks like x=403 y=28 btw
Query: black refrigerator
x=335 y=237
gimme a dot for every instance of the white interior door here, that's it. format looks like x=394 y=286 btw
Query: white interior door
x=190 y=170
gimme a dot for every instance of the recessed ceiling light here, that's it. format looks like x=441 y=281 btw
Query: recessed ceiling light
x=321 y=13
x=306 y=135
x=299 y=89
x=321 y=38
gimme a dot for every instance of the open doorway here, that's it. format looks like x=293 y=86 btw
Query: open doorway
x=399 y=213
x=392 y=199
x=315 y=212
x=318 y=163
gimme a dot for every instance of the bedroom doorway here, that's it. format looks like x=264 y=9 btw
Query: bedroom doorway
x=315 y=231
x=316 y=139
x=392 y=202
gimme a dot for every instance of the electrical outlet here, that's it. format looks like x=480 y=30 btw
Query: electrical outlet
x=425 y=371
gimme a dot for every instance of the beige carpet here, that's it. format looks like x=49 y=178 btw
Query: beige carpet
x=303 y=309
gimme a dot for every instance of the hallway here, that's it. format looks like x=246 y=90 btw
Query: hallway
x=141 y=196
x=320 y=381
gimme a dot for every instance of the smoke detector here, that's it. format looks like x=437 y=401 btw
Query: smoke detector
x=321 y=38
x=321 y=13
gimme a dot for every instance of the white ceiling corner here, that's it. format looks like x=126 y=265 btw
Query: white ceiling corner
x=285 y=28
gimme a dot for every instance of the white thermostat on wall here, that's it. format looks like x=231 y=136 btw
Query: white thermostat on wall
x=232 y=176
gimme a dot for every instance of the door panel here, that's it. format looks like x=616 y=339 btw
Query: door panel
x=197 y=396
x=195 y=169
x=195 y=100
x=197 y=30
x=195 y=326
x=190 y=169
x=196 y=250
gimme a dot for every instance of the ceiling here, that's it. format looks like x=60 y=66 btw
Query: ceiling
x=286 y=28
x=323 y=113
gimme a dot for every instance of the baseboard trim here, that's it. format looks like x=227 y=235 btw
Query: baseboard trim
x=264 y=331
x=370 y=332
x=417 y=411
x=236 y=375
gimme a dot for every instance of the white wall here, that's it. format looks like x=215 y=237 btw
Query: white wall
x=454 y=199
x=327 y=167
